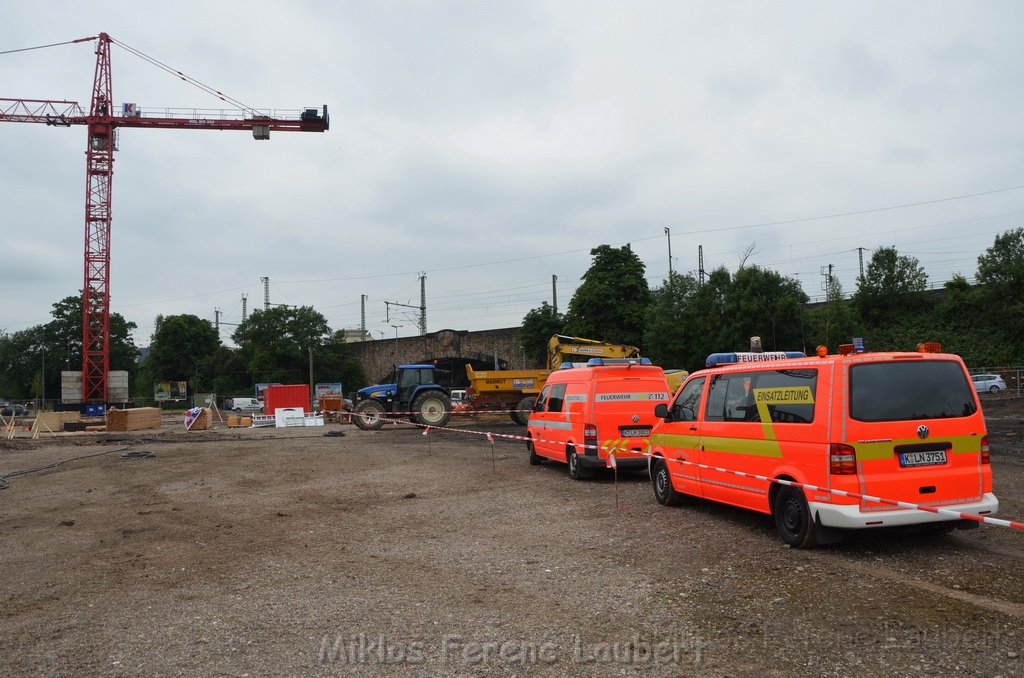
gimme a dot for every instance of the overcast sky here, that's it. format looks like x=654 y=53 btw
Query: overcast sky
x=491 y=145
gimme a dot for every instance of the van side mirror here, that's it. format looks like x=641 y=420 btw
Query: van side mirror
x=661 y=411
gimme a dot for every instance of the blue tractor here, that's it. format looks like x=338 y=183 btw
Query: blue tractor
x=415 y=395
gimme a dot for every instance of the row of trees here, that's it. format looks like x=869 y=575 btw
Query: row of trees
x=676 y=325
x=682 y=321
x=274 y=345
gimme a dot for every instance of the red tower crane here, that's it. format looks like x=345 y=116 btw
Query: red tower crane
x=102 y=123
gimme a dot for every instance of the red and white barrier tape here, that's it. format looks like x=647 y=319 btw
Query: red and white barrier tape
x=1015 y=524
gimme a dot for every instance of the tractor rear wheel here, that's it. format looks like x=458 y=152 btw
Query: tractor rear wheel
x=431 y=408
x=368 y=415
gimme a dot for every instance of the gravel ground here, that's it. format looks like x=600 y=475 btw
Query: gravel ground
x=289 y=552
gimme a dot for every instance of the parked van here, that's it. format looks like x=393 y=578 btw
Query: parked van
x=897 y=426
x=587 y=413
x=242 y=404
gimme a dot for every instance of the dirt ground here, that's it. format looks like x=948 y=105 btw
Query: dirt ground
x=290 y=552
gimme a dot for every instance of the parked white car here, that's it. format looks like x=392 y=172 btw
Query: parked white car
x=243 y=405
x=988 y=383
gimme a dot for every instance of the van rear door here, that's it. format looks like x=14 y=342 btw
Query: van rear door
x=623 y=409
x=917 y=429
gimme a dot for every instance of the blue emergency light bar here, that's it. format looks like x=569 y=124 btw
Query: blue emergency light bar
x=604 y=362
x=716 y=359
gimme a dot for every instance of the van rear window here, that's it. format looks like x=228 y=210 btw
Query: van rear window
x=912 y=389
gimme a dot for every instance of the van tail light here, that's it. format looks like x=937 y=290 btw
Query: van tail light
x=590 y=438
x=985 y=459
x=842 y=459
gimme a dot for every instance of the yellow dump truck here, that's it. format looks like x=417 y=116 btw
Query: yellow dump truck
x=515 y=390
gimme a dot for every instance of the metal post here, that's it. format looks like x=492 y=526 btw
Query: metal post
x=554 y=293
x=668 y=235
x=423 y=303
x=311 y=394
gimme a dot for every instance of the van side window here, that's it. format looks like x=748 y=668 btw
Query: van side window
x=731 y=398
x=556 y=398
x=538 y=406
x=787 y=395
x=689 y=399
x=786 y=392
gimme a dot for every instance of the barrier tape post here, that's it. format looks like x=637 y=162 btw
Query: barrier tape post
x=426 y=432
x=490 y=439
x=615 y=473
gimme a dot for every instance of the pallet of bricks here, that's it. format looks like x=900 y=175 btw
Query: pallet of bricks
x=134 y=419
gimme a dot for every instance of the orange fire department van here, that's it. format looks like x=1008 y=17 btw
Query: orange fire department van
x=587 y=413
x=898 y=426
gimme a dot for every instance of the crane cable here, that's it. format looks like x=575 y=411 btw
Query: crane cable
x=56 y=44
x=190 y=80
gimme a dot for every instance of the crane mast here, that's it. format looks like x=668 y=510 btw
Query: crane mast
x=102 y=122
x=99 y=175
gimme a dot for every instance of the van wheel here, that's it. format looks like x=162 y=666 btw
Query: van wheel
x=521 y=415
x=535 y=459
x=573 y=460
x=793 y=518
x=238 y=410
x=662 y=481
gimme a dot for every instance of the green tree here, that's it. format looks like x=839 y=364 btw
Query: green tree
x=1002 y=265
x=274 y=344
x=65 y=333
x=21 y=358
x=58 y=344
x=538 y=327
x=611 y=303
x=1001 y=274
x=668 y=340
x=891 y=284
x=763 y=303
x=180 y=349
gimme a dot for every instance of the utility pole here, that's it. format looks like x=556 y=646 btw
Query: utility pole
x=668 y=235
x=827 y=285
x=266 y=293
x=554 y=293
x=700 y=263
x=363 y=314
x=860 y=257
x=423 y=303
x=216 y=320
x=245 y=312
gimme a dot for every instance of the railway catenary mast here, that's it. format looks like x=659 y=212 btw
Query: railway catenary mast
x=102 y=121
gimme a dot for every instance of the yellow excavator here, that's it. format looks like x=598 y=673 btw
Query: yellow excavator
x=516 y=390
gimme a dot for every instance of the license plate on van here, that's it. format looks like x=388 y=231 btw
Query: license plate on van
x=635 y=432
x=923 y=458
